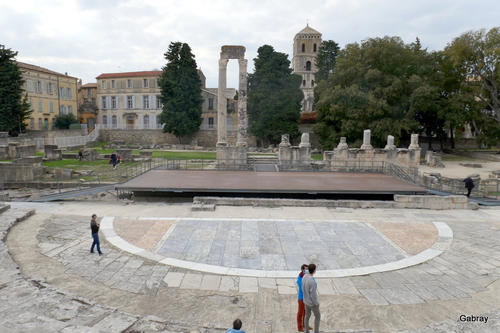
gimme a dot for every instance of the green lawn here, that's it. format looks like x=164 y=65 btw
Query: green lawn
x=188 y=155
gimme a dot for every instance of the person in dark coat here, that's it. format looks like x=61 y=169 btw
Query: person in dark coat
x=469 y=185
x=114 y=160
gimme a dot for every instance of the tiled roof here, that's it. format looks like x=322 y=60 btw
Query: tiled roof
x=129 y=74
x=30 y=67
x=89 y=85
x=309 y=30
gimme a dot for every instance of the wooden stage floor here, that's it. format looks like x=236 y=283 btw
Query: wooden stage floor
x=185 y=181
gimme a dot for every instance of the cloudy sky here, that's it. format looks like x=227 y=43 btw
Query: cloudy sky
x=86 y=38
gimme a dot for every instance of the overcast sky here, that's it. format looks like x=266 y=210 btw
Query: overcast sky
x=86 y=38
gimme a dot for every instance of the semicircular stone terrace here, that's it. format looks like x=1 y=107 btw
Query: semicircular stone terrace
x=277 y=248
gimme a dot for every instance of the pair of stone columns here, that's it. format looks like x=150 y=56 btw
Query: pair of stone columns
x=232 y=52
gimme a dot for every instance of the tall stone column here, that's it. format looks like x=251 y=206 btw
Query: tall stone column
x=222 y=105
x=366 y=140
x=242 y=104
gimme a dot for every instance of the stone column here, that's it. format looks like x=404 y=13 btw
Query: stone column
x=390 y=143
x=242 y=104
x=222 y=105
x=366 y=140
x=343 y=143
x=414 y=142
x=304 y=140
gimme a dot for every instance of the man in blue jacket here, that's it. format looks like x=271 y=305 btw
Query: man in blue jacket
x=236 y=327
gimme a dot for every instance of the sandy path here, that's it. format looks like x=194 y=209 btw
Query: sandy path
x=455 y=170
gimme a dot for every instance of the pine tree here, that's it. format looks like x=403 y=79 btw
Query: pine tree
x=274 y=97
x=14 y=107
x=326 y=59
x=180 y=87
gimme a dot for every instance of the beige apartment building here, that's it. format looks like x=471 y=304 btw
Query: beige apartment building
x=306 y=44
x=49 y=94
x=132 y=101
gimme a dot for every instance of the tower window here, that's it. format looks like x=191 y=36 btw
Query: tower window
x=303 y=47
x=314 y=47
x=308 y=66
x=304 y=83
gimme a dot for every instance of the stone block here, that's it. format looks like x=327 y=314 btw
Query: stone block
x=436 y=205
x=459 y=199
x=472 y=205
x=401 y=198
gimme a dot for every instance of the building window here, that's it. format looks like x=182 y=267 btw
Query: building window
x=51 y=107
x=69 y=93
x=32 y=106
x=61 y=92
x=32 y=123
x=146 y=121
x=308 y=66
x=312 y=83
x=45 y=124
x=304 y=83
x=210 y=103
x=40 y=105
x=113 y=84
x=104 y=105
x=105 y=121
x=30 y=85
x=145 y=102
x=40 y=124
x=314 y=47
x=129 y=83
x=114 y=121
x=103 y=84
x=130 y=102
x=62 y=109
x=158 y=102
x=38 y=88
x=70 y=109
x=89 y=92
x=114 y=105
x=303 y=47
x=146 y=83
x=211 y=122
x=49 y=88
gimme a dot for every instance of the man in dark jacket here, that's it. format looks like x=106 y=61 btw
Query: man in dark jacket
x=469 y=185
x=94 y=227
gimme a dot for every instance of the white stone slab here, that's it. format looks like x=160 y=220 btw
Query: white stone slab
x=173 y=279
x=210 y=282
x=191 y=281
x=248 y=285
x=123 y=245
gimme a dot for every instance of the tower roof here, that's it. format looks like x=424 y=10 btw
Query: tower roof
x=309 y=30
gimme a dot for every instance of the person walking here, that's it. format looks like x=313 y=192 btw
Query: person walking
x=114 y=160
x=80 y=155
x=300 y=298
x=236 y=327
x=469 y=185
x=94 y=228
x=311 y=300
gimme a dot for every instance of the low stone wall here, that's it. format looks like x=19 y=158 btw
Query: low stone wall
x=157 y=137
x=400 y=202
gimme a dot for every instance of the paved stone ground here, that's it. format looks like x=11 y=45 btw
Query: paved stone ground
x=63 y=288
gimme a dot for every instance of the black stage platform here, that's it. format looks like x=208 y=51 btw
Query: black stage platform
x=324 y=185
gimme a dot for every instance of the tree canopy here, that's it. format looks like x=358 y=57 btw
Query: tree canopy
x=63 y=121
x=274 y=97
x=326 y=59
x=475 y=56
x=14 y=107
x=180 y=87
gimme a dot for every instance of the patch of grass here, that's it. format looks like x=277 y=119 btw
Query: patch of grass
x=317 y=157
x=457 y=158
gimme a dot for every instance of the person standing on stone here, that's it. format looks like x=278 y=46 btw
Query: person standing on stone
x=469 y=185
x=236 y=327
x=114 y=159
x=94 y=228
x=311 y=300
x=80 y=155
x=301 y=312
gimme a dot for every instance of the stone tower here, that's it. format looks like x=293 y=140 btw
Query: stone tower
x=305 y=47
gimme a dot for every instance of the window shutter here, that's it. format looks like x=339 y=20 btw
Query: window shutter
x=133 y=102
x=125 y=104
